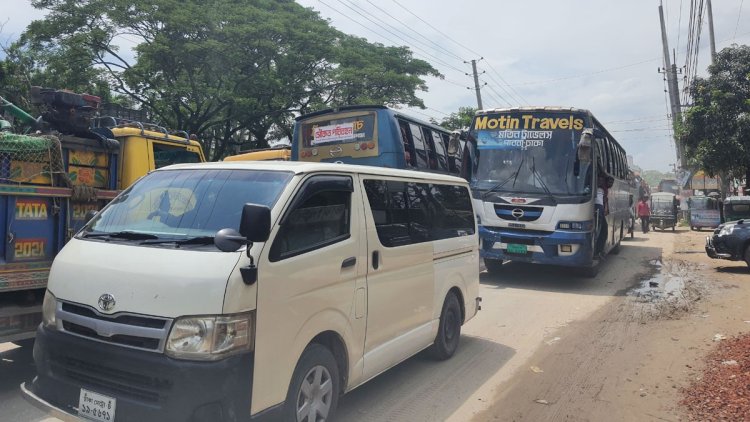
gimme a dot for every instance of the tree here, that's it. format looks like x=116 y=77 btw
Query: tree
x=228 y=71
x=460 y=119
x=716 y=129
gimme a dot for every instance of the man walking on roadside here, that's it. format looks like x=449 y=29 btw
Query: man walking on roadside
x=644 y=213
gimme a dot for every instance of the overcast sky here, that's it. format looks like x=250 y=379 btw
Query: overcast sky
x=601 y=55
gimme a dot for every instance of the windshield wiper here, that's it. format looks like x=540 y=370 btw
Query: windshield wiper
x=539 y=179
x=198 y=240
x=513 y=176
x=129 y=235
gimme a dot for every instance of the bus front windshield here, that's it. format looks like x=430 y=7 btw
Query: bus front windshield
x=533 y=161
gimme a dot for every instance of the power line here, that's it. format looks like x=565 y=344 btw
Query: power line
x=738 y=20
x=437 y=30
x=610 y=69
x=436 y=45
x=385 y=29
x=503 y=88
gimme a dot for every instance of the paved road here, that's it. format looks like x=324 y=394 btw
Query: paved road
x=521 y=312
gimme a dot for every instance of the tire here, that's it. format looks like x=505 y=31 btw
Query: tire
x=449 y=330
x=747 y=256
x=318 y=372
x=692 y=228
x=589 y=272
x=616 y=249
x=494 y=266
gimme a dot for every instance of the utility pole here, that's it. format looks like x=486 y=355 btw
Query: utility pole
x=674 y=94
x=711 y=31
x=476 y=84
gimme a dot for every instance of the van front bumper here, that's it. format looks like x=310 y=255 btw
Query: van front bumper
x=147 y=386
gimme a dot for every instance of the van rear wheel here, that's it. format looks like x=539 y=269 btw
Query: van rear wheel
x=449 y=330
x=314 y=391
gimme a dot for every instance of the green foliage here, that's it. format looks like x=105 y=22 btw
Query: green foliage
x=653 y=177
x=716 y=129
x=232 y=72
x=460 y=119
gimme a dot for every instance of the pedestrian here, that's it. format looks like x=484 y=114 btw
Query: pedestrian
x=644 y=212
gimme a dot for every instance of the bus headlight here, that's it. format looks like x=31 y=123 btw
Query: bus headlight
x=582 y=226
x=211 y=337
x=49 y=306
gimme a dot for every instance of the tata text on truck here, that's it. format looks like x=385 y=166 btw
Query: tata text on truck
x=248 y=290
x=534 y=183
x=54 y=170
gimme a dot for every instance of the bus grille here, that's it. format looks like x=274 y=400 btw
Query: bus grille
x=511 y=212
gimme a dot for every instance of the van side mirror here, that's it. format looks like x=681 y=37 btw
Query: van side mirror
x=89 y=216
x=255 y=226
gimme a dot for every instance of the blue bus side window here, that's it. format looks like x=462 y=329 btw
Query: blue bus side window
x=420 y=146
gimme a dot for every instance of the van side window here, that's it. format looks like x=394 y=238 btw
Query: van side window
x=322 y=220
x=407 y=212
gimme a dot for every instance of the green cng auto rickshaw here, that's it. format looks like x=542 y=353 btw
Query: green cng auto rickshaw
x=704 y=212
x=664 y=210
x=736 y=208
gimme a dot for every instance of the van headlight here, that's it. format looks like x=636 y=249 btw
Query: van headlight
x=49 y=306
x=211 y=337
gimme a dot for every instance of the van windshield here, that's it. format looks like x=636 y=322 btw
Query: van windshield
x=179 y=204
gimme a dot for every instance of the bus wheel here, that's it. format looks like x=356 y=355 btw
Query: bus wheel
x=589 y=272
x=314 y=391
x=494 y=266
x=449 y=331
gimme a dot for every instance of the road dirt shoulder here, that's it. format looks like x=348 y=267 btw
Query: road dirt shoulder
x=631 y=359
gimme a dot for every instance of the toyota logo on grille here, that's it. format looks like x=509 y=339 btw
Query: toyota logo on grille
x=106 y=302
x=335 y=151
x=517 y=213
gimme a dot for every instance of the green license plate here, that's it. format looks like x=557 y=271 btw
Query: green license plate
x=514 y=248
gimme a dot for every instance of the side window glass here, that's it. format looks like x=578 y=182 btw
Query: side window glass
x=442 y=155
x=322 y=220
x=453 y=215
x=409 y=153
x=420 y=146
x=408 y=212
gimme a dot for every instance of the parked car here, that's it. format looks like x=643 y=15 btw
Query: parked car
x=730 y=241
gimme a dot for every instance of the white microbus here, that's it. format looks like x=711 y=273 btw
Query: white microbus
x=254 y=290
x=537 y=175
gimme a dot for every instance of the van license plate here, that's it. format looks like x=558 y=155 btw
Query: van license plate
x=96 y=406
x=514 y=248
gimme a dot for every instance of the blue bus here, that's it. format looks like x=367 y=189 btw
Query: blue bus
x=535 y=176
x=373 y=135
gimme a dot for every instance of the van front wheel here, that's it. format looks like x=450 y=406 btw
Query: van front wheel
x=449 y=330
x=314 y=391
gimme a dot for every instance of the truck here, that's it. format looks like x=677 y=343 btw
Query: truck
x=55 y=170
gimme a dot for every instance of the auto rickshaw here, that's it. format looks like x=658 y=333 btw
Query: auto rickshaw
x=704 y=212
x=736 y=208
x=664 y=210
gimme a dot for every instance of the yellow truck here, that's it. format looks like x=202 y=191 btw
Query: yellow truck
x=54 y=170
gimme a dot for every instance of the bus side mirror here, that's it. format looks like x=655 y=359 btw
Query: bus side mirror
x=453 y=143
x=583 y=150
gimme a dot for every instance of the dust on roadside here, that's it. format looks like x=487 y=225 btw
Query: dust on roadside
x=631 y=359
